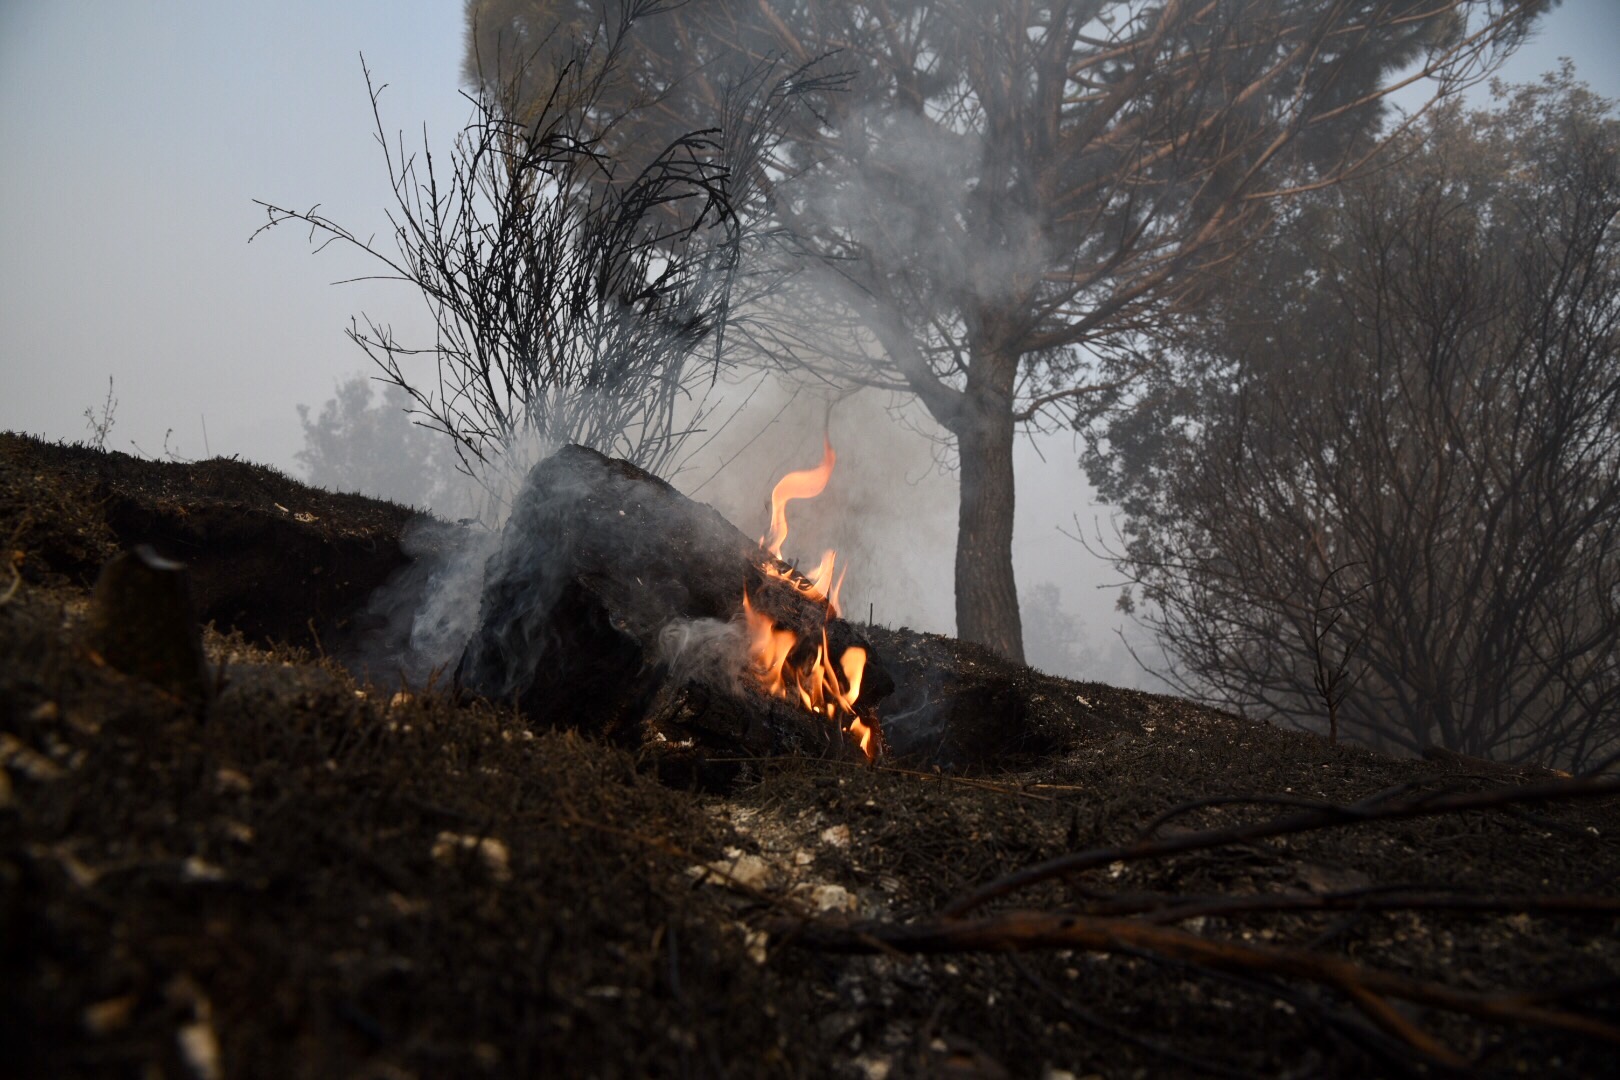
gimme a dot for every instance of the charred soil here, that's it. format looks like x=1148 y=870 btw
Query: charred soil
x=320 y=876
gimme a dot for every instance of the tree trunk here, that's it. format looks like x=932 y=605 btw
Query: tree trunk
x=986 y=594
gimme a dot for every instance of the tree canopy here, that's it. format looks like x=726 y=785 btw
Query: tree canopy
x=1378 y=478
x=1013 y=190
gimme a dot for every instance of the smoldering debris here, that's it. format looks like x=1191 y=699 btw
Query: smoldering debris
x=610 y=603
x=609 y=607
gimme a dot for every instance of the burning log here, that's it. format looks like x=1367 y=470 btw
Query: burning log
x=620 y=607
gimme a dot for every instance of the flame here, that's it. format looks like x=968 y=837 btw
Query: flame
x=866 y=734
x=776 y=660
x=804 y=484
x=815 y=683
x=854 y=664
x=768 y=650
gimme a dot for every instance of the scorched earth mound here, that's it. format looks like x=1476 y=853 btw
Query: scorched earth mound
x=315 y=874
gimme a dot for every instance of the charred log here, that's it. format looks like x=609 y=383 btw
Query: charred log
x=611 y=607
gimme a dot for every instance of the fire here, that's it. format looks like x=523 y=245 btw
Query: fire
x=819 y=584
x=778 y=661
x=804 y=484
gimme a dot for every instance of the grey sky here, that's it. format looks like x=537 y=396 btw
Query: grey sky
x=133 y=135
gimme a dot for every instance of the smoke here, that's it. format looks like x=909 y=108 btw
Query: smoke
x=416 y=625
x=707 y=651
x=924 y=201
x=889 y=509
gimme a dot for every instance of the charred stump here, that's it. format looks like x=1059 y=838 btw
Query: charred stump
x=612 y=605
x=142 y=622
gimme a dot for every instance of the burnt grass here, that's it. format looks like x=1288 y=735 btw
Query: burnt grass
x=319 y=876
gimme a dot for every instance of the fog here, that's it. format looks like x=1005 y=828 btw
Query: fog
x=136 y=136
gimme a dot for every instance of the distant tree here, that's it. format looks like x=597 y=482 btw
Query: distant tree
x=1053 y=636
x=1012 y=190
x=355 y=445
x=572 y=299
x=1380 y=480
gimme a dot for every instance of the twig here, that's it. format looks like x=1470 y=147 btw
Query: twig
x=1376 y=809
x=967 y=781
x=1304 y=801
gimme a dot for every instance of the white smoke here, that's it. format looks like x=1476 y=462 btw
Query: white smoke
x=907 y=197
x=707 y=651
x=889 y=510
x=447 y=613
x=419 y=621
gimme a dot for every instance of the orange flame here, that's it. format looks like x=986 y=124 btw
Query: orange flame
x=804 y=484
x=812 y=681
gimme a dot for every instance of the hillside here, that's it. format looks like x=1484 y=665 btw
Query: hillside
x=320 y=875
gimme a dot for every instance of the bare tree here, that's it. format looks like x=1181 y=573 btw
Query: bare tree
x=573 y=299
x=1015 y=188
x=1385 y=474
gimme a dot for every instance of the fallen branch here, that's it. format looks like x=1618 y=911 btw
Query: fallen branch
x=1101 y=927
x=1166 y=909
x=1368 y=988
x=1377 y=808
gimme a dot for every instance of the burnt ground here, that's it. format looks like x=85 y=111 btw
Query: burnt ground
x=321 y=877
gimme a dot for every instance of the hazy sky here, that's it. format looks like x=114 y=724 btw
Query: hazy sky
x=134 y=135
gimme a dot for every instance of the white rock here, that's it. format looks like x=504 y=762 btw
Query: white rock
x=196 y=868
x=21 y=758
x=737 y=870
x=199 y=1048
x=495 y=856
x=233 y=781
x=750 y=871
x=832 y=898
x=755 y=942
x=874 y=1068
